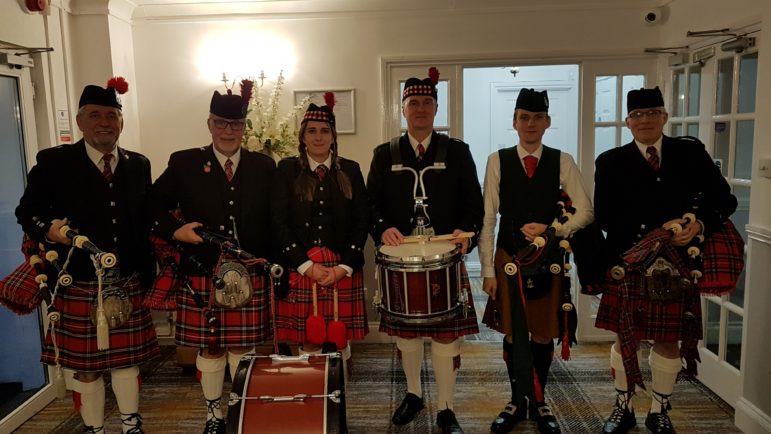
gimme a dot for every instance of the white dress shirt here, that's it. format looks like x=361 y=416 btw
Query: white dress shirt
x=222 y=158
x=571 y=182
x=96 y=157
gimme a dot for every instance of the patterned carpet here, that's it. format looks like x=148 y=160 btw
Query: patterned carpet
x=579 y=390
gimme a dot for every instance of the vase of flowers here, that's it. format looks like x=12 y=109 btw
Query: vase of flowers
x=266 y=130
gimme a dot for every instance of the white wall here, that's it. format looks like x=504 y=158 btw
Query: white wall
x=341 y=50
x=343 y=47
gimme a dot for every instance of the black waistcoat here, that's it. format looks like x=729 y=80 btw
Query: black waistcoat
x=526 y=200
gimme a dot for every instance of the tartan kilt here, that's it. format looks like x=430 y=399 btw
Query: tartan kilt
x=297 y=306
x=130 y=344
x=242 y=327
x=652 y=320
x=450 y=329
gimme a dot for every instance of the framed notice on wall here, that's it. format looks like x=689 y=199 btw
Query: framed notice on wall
x=345 y=113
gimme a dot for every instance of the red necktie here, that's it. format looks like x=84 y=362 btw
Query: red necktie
x=421 y=150
x=530 y=164
x=321 y=172
x=653 y=157
x=107 y=171
x=229 y=169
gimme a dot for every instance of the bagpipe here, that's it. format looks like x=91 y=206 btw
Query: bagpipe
x=231 y=277
x=27 y=286
x=537 y=266
x=711 y=265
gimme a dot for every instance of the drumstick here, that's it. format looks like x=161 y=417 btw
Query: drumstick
x=427 y=238
x=315 y=329
x=336 y=330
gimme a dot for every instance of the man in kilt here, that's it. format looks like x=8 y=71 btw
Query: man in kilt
x=320 y=220
x=641 y=187
x=524 y=184
x=455 y=201
x=99 y=189
x=224 y=190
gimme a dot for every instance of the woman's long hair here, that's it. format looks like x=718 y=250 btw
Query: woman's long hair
x=305 y=184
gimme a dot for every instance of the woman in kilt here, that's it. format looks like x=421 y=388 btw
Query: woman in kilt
x=320 y=218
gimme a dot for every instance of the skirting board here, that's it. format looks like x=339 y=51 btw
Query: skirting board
x=751 y=419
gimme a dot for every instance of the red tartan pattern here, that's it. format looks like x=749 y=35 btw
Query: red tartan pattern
x=651 y=320
x=243 y=327
x=297 y=306
x=451 y=329
x=130 y=344
x=723 y=260
x=161 y=295
x=19 y=291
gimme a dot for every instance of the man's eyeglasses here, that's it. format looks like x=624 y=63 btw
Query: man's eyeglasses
x=221 y=124
x=639 y=114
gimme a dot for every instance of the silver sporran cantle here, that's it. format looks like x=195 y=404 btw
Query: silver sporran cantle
x=235 y=289
x=663 y=283
x=117 y=307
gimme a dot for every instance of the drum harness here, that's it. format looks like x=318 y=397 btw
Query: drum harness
x=421 y=219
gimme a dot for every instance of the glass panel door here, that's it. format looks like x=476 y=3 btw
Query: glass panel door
x=604 y=84
x=733 y=130
x=22 y=376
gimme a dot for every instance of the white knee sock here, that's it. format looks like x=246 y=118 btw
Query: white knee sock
x=619 y=375
x=412 y=360
x=91 y=402
x=125 y=385
x=212 y=377
x=442 y=356
x=664 y=372
x=233 y=360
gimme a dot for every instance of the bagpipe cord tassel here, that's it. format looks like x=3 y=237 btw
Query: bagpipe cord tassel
x=102 y=328
x=59 y=382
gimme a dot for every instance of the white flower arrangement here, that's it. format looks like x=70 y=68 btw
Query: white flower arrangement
x=265 y=130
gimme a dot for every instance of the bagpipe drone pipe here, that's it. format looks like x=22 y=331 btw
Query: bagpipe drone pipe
x=542 y=262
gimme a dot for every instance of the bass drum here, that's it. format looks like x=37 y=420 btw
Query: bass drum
x=285 y=394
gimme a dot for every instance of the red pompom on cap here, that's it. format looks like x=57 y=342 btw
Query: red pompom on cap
x=433 y=74
x=119 y=84
x=329 y=100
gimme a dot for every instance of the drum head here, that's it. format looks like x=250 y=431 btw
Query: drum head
x=418 y=251
x=432 y=252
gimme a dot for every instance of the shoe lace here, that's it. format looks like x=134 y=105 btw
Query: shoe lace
x=134 y=421
x=617 y=415
x=544 y=410
x=213 y=426
x=662 y=421
x=663 y=400
x=93 y=429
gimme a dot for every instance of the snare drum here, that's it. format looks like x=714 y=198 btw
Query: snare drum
x=284 y=394
x=419 y=283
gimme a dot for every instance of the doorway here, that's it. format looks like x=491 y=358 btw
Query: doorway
x=23 y=378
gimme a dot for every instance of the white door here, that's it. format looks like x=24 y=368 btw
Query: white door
x=729 y=90
x=25 y=380
x=604 y=85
